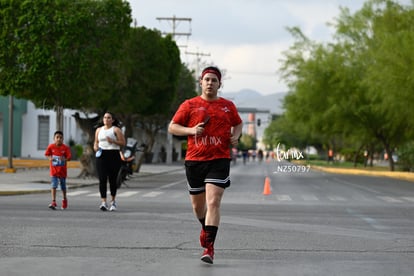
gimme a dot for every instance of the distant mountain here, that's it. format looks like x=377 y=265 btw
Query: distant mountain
x=252 y=99
x=245 y=94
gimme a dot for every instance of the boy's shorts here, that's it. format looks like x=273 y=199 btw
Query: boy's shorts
x=199 y=173
x=56 y=180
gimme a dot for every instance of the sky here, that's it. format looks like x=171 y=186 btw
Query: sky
x=244 y=38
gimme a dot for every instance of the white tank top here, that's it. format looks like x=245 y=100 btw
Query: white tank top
x=103 y=143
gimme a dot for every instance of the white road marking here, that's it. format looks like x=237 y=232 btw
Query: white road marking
x=283 y=197
x=152 y=194
x=76 y=193
x=408 y=198
x=309 y=197
x=390 y=199
x=127 y=194
x=336 y=198
x=95 y=195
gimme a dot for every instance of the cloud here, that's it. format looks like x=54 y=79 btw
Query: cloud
x=313 y=16
x=248 y=66
x=244 y=37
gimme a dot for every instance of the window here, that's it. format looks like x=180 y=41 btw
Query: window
x=43 y=132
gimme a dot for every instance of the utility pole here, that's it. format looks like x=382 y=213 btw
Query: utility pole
x=198 y=60
x=175 y=22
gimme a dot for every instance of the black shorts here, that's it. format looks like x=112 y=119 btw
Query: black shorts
x=199 y=173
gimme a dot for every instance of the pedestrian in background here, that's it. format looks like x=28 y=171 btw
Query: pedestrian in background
x=58 y=154
x=108 y=142
x=212 y=125
x=330 y=156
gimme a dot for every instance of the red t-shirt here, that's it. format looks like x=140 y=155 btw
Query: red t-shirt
x=58 y=167
x=214 y=143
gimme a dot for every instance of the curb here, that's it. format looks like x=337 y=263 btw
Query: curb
x=408 y=176
x=46 y=190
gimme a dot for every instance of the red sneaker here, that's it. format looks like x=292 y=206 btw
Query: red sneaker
x=53 y=205
x=208 y=255
x=64 y=204
x=203 y=238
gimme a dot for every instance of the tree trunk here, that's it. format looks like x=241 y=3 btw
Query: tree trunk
x=59 y=118
x=88 y=126
x=388 y=150
x=390 y=160
x=356 y=156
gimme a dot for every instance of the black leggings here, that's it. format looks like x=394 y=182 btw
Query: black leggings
x=107 y=166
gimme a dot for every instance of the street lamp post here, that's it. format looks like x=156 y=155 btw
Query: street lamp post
x=10 y=168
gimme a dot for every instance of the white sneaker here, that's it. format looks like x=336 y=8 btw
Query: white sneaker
x=103 y=206
x=113 y=206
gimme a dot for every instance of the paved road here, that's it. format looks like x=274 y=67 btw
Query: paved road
x=312 y=223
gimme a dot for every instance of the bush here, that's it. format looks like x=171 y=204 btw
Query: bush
x=406 y=156
x=79 y=149
x=312 y=157
x=349 y=155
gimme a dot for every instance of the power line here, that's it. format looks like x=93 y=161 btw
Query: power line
x=198 y=62
x=198 y=58
x=175 y=22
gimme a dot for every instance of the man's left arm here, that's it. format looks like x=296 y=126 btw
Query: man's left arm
x=235 y=134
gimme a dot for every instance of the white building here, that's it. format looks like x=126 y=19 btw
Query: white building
x=33 y=130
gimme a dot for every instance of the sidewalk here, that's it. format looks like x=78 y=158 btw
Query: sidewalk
x=32 y=176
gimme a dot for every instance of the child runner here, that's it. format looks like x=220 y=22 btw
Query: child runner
x=58 y=155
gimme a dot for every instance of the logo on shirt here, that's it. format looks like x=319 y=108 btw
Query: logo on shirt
x=208 y=140
x=225 y=109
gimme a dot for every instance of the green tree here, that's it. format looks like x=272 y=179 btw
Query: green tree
x=372 y=36
x=152 y=70
x=311 y=107
x=10 y=70
x=392 y=74
x=64 y=53
x=247 y=142
x=340 y=92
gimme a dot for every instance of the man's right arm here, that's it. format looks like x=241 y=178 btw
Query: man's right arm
x=179 y=130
